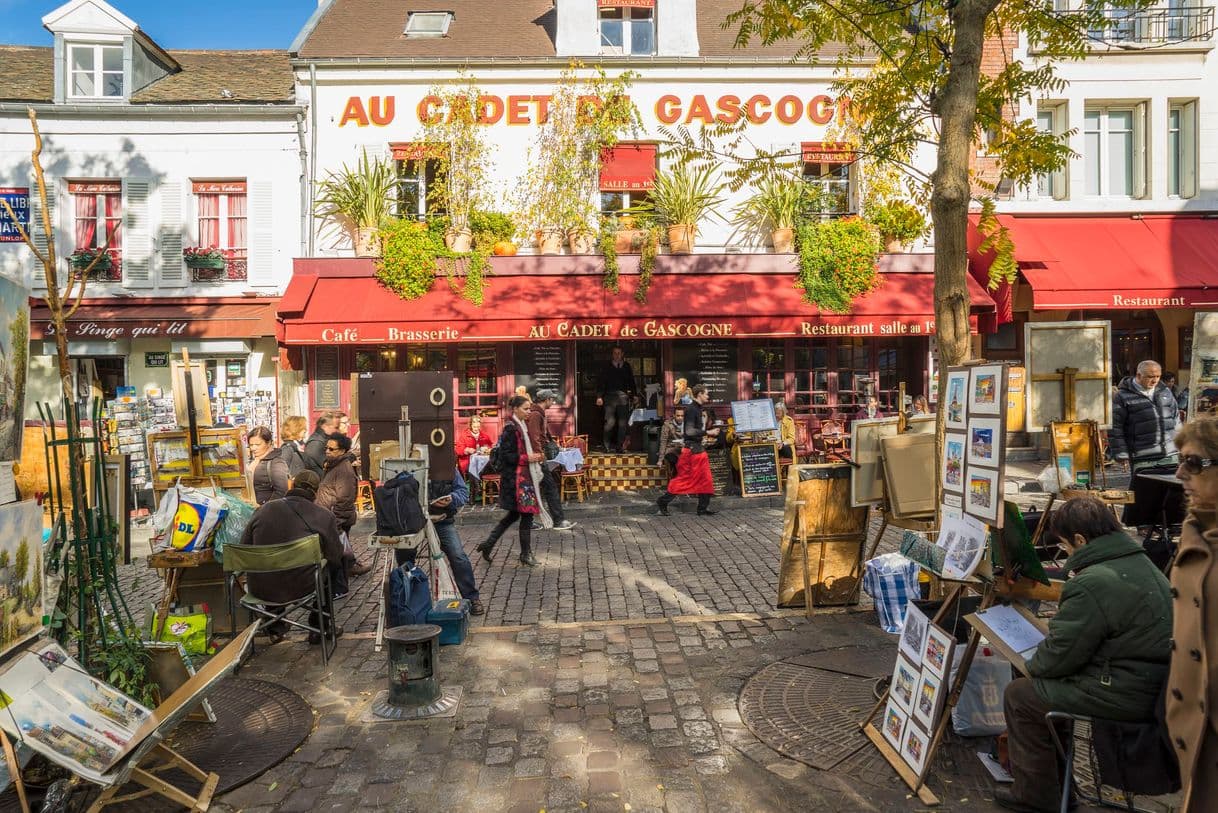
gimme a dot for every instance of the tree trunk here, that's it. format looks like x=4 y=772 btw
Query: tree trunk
x=956 y=106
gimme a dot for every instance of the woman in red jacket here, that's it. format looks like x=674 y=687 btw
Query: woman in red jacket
x=471 y=441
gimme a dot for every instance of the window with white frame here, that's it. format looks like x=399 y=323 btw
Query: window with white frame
x=428 y=23
x=417 y=168
x=1114 y=151
x=223 y=215
x=95 y=71
x=827 y=171
x=1051 y=184
x=97 y=222
x=1182 y=150
x=628 y=29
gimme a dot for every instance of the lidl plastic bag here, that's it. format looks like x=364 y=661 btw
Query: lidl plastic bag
x=189 y=625
x=187 y=518
x=978 y=712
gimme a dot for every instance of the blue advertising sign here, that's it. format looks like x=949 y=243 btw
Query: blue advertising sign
x=19 y=199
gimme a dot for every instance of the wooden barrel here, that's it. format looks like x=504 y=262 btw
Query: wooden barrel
x=818 y=504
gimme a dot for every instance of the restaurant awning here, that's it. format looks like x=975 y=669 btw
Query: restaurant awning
x=113 y=318
x=1117 y=262
x=528 y=298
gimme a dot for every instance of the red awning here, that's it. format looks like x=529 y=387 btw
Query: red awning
x=147 y=318
x=628 y=167
x=328 y=302
x=1119 y=262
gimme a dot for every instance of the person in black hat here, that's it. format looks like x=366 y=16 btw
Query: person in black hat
x=542 y=440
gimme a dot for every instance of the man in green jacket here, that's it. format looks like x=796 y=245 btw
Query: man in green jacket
x=1106 y=654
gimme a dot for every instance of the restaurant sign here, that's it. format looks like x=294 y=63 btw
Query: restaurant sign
x=611 y=329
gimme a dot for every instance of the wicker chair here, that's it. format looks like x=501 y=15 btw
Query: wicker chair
x=577 y=482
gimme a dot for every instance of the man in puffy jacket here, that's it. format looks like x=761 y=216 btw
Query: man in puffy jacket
x=447 y=498
x=1106 y=654
x=1144 y=418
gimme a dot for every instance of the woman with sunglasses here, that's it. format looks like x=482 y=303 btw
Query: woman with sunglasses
x=1192 y=688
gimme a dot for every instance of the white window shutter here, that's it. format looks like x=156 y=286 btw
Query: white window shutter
x=1139 y=150
x=1188 y=143
x=137 y=234
x=171 y=269
x=38 y=234
x=261 y=235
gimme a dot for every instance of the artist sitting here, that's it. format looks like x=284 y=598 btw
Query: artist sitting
x=1106 y=654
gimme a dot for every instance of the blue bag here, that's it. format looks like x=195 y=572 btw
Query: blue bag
x=409 y=598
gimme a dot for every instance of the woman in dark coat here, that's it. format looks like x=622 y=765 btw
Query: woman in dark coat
x=270 y=473
x=518 y=493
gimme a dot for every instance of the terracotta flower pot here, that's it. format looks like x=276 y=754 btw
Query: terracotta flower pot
x=629 y=241
x=893 y=245
x=581 y=241
x=681 y=238
x=549 y=241
x=367 y=242
x=783 y=240
x=459 y=240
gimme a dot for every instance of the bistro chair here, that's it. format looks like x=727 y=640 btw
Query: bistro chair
x=831 y=440
x=803 y=438
x=576 y=482
x=1154 y=776
x=363 y=497
x=490 y=487
x=240 y=560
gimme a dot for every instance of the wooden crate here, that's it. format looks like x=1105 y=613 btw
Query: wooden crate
x=818 y=501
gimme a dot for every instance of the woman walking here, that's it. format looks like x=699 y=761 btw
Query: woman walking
x=1192 y=686
x=270 y=470
x=518 y=491
x=292 y=434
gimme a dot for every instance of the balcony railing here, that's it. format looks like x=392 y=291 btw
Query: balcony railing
x=1161 y=26
x=236 y=268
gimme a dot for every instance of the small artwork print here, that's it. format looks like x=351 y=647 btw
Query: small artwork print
x=904 y=683
x=926 y=699
x=953 y=462
x=914 y=746
x=982 y=496
x=893 y=724
x=984 y=436
x=985 y=390
x=957 y=398
x=939 y=644
x=913 y=635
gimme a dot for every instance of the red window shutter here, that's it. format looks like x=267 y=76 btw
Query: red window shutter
x=828 y=152
x=628 y=167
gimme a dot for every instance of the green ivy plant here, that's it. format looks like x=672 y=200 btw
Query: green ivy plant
x=837 y=261
x=647 y=261
x=608 y=245
x=410 y=253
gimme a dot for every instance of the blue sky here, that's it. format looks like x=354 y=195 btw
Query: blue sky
x=177 y=24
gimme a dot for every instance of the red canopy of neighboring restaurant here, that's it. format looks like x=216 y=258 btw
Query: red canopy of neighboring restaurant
x=1116 y=262
x=182 y=318
x=700 y=296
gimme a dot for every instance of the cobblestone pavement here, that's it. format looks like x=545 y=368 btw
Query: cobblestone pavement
x=606 y=679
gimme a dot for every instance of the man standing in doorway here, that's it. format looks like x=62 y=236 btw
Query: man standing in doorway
x=614 y=392
x=541 y=440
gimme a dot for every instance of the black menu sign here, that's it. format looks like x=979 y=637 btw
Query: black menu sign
x=325 y=378
x=721 y=470
x=712 y=363
x=758 y=469
x=542 y=366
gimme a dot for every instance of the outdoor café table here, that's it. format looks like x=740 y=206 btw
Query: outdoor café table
x=643 y=416
x=477 y=462
x=571 y=459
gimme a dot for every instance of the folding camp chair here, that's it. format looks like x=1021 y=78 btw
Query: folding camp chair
x=305 y=552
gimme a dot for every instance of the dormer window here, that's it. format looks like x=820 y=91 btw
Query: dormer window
x=95 y=71
x=428 y=23
x=628 y=27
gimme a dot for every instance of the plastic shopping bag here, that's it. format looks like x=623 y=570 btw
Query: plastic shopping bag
x=186 y=519
x=978 y=712
x=188 y=625
x=232 y=527
x=892 y=582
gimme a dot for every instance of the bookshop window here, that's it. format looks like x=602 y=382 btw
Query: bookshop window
x=477 y=378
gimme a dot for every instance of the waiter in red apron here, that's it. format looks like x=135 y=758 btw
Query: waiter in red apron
x=693 y=466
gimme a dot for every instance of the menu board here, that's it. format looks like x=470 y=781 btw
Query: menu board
x=325 y=378
x=754 y=416
x=721 y=470
x=542 y=367
x=759 y=469
x=712 y=363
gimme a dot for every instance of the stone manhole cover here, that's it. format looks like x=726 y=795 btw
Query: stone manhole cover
x=809 y=715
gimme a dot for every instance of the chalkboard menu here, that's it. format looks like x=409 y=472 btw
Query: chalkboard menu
x=758 y=469
x=325 y=378
x=712 y=363
x=542 y=366
x=721 y=470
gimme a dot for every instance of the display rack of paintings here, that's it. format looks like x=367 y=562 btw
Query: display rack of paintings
x=973 y=453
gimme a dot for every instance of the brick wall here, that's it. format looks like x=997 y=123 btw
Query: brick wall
x=997 y=53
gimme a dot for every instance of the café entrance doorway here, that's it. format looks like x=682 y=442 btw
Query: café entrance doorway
x=591 y=358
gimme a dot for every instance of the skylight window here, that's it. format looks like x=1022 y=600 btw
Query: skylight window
x=428 y=23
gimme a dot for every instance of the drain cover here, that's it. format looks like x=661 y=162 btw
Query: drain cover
x=809 y=715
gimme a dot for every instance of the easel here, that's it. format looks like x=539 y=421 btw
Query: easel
x=917 y=781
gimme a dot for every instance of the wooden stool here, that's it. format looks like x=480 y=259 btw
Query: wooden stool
x=363 y=496
x=574 y=482
x=490 y=487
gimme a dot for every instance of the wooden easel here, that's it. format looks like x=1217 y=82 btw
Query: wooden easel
x=917 y=781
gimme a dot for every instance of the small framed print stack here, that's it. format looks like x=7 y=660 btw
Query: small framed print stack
x=917 y=694
x=973 y=454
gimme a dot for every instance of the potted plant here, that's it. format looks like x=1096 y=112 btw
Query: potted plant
x=206 y=263
x=837 y=261
x=774 y=209
x=899 y=223
x=680 y=198
x=82 y=258
x=360 y=199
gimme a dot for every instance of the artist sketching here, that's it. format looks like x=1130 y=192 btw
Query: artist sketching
x=1105 y=656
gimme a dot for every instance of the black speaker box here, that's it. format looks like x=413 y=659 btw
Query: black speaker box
x=429 y=397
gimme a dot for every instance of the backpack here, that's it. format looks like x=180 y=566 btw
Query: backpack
x=398 y=512
x=407 y=596
x=495 y=463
